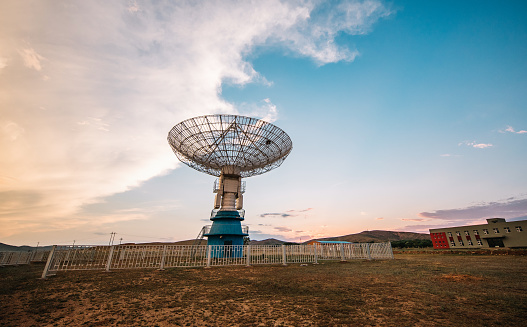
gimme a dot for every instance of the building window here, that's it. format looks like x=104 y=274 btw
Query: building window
x=479 y=242
x=470 y=242
x=507 y=229
x=476 y=232
x=496 y=231
x=458 y=233
x=450 y=233
x=519 y=229
x=485 y=231
x=452 y=243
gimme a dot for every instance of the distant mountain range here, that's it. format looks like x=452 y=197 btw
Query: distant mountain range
x=377 y=236
x=269 y=241
x=23 y=248
x=362 y=237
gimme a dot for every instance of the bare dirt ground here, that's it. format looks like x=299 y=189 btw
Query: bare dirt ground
x=412 y=290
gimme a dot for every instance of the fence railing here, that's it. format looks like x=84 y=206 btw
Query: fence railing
x=95 y=257
x=9 y=258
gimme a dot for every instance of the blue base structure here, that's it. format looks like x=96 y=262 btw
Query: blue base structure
x=226 y=230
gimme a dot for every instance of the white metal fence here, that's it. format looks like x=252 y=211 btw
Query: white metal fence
x=86 y=257
x=10 y=258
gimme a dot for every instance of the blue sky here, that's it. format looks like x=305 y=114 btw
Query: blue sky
x=404 y=115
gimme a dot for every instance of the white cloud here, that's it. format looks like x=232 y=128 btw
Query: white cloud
x=11 y=130
x=314 y=35
x=272 y=112
x=510 y=129
x=31 y=58
x=96 y=123
x=133 y=7
x=482 y=145
x=3 y=63
x=119 y=75
x=264 y=110
x=476 y=145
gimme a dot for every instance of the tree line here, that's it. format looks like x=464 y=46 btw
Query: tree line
x=412 y=244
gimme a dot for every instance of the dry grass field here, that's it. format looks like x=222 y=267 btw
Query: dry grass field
x=413 y=290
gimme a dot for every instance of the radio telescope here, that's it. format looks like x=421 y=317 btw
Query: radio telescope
x=229 y=147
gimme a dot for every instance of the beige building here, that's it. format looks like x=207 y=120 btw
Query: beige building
x=496 y=233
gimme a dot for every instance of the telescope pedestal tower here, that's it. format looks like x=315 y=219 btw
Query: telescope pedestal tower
x=226 y=223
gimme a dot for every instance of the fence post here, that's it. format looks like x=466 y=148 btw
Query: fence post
x=68 y=255
x=284 y=259
x=162 y=265
x=18 y=258
x=368 y=252
x=209 y=250
x=109 y=263
x=248 y=253
x=316 y=254
x=48 y=263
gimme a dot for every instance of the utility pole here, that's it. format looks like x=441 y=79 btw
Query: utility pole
x=112 y=237
x=120 y=240
x=73 y=243
x=35 y=252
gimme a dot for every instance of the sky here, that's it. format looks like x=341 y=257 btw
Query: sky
x=404 y=115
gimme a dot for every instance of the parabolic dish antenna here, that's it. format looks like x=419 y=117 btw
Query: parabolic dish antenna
x=230 y=147
x=237 y=145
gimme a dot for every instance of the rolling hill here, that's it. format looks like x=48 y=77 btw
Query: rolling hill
x=269 y=241
x=362 y=237
x=23 y=248
x=376 y=236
